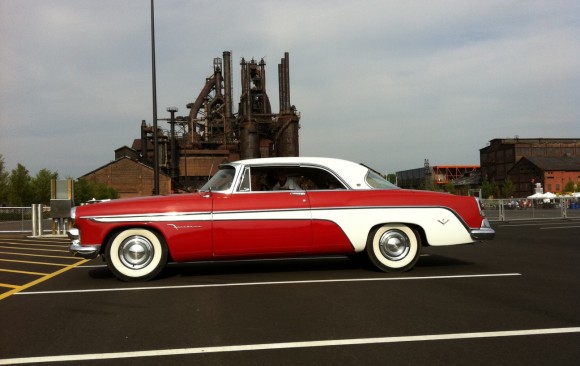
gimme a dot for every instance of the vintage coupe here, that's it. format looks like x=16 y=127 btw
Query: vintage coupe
x=332 y=207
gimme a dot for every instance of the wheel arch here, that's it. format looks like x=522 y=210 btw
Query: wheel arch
x=418 y=228
x=118 y=229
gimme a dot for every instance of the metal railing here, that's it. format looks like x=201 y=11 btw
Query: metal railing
x=20 y=219
x=531 y=209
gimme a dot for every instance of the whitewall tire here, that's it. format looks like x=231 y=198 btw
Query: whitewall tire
x=394 y=247
x=136 y=255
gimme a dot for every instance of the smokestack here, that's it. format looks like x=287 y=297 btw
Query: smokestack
x=228 y=83
x=144 y=141
x=287 y=81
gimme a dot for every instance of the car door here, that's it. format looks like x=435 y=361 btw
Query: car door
x=256 y=223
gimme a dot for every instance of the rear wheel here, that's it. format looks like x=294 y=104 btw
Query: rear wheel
x=394 y=248
x=136 y=255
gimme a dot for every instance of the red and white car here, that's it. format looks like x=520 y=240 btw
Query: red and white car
x=332 y=206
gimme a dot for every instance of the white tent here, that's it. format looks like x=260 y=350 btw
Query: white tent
x=548 y=196
x=537 y=195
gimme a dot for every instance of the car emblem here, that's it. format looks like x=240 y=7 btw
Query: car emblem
x=177 y=227
x=443 y=221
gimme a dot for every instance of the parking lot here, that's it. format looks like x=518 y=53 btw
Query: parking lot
x=514 y=300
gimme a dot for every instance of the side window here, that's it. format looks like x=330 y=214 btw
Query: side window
x=267 y=178
x=318 y=179
x=245 y=183
x=273 y=178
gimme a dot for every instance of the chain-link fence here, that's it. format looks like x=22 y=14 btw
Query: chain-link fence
x=530 y=209
x=19 y=219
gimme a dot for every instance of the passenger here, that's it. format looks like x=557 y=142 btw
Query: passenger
x=285 y=182
x=307 y=184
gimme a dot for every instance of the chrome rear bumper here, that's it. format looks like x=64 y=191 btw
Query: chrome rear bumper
x=485 y=232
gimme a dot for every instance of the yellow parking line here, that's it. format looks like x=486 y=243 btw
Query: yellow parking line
x=37 y=245
x=7 y=285
x=39 y=250
x=45 y=240
x=42 y=279
x=23 y=272
x=30 y=262
x=38 y=255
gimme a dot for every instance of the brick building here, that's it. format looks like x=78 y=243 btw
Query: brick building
x=129 y=177
x=553 y=173
x=501 y=155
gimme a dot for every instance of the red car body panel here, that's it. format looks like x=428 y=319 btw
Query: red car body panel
x=215 y=237
x=244 y=221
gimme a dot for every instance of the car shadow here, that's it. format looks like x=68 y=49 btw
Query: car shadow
x=270 y=267
x=440 y=261
x=296 y=265
x=258 y=266
x=101 y=273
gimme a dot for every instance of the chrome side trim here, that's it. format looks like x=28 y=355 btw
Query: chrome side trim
x=155 y=217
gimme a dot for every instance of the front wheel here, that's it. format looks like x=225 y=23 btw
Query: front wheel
x=136 y=255
x=394 y=248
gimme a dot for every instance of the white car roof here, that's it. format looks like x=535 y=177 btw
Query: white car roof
x=352 y=173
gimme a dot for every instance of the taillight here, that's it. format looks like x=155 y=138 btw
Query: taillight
x=480 y=205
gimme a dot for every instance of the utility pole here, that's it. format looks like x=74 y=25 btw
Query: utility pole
x=153 y=75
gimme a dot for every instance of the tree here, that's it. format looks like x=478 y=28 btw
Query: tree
x=489 y=189
x=508 y=188
x=570 y=187
x=449 y=187
x=41 y=185
x=3 y=182
x=86 y=190
x=19 y=187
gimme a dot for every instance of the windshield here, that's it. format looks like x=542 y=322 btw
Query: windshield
x=221 y=181
x=375 y=180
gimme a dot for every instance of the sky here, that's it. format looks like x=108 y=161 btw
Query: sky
x=386 y=83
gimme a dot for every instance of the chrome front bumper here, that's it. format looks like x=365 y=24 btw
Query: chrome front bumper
x=78 y=250
x=485 y=232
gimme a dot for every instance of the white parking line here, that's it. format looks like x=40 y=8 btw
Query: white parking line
x=558 y=227
x=270 y=283
x=540 y=223
x=287 y=345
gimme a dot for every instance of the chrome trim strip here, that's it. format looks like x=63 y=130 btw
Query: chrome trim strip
x=157 y=217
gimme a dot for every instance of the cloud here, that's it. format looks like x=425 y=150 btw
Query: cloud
x=385 y=83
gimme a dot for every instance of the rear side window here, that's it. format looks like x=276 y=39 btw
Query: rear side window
x=376 y=181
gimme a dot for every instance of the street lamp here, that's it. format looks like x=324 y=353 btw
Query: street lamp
x=154 y=87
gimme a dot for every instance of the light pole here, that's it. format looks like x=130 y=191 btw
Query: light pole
x=153 y=76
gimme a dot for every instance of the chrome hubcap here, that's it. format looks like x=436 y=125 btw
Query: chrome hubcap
x=394 y=245
x=136 y=252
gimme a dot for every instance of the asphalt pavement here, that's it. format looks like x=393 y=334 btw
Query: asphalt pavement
x=511 y=301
